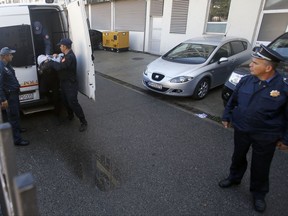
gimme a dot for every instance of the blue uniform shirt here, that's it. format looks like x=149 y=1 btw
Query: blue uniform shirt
x=8 y=81
x=259 y=107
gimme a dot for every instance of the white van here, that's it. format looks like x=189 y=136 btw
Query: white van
x=16 y=33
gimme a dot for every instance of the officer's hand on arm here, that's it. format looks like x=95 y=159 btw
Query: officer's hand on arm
x=281 y=146
x=226 y=124
x=4 y=104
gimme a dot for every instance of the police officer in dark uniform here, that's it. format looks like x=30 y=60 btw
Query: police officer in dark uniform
x=66 y=71
x=9 y=94
x=258 y=110
x=41 y=39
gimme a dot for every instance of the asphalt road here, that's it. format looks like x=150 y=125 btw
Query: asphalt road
x=127 y=68
x=140 y=156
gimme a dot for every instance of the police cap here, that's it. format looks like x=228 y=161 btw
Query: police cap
x=65 y=41
x=37 y=27
x=6 y=51
x=268 y=54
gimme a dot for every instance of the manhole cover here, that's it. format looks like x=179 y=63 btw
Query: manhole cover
x=137 y=58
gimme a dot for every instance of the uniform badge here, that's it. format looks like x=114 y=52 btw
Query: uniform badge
x=274 y=93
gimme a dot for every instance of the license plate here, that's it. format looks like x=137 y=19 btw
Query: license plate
x=155 y=85
x=24 y=97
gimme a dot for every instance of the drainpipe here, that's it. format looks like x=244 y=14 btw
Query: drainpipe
x=112 y=25
x=145 y=26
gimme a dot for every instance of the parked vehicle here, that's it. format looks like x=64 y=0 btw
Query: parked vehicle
x=197 y=65
x=16 y=33
x=280 y=45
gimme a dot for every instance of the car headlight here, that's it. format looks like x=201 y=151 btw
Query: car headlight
x=181 y=79
x=235 y=78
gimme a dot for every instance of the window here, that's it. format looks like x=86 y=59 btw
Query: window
x=238 y=46
x=276 y=4
x=190 y=53
x=179 y=16
x=218 y=15
x=156 y=7
x=19 y=38
x=273 y=24
x=224 y=51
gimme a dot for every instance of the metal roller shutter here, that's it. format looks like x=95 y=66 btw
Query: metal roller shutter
x=101 y=16
x=156 y=8
x=179 y=16
x=130 y=15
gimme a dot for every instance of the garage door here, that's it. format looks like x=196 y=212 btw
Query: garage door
x=101 y=16
x=130 y=15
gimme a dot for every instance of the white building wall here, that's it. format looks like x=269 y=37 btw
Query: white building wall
x=244 y=17
x=242 y=21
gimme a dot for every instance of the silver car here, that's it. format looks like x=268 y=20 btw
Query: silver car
x=197 y=65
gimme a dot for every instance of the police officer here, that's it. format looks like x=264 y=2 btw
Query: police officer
x=41 y=39
x=9 y=94
x=258 y=110
x=66 y=70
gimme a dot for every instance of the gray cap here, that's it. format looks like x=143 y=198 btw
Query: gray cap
x=6 y=51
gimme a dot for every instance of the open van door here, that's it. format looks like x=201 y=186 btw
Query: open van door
x=79 y=34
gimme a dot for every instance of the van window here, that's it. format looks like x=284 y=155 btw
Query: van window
x=18 y=38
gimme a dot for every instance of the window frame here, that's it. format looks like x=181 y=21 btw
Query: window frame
x=217 y=26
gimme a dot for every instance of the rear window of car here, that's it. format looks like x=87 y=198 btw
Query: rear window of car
x=189 y=53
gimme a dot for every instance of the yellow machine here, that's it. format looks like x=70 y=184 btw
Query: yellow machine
x=116 y=40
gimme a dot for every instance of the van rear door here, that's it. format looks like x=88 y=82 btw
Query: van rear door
x=79 y=33
x=15 y=33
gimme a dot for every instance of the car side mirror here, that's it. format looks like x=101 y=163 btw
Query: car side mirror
x=222 y=59
x=256 y=49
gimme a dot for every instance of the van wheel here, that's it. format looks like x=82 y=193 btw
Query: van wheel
x=201 y=89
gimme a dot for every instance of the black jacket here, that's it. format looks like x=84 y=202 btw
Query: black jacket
x=67 y=67
x=8 y=81
x=261 y=109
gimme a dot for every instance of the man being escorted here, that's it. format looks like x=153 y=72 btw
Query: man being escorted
x=66 y=70
x=258 y=109
x=9 y=94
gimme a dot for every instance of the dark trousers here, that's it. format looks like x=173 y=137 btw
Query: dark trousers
x=13 y=115
x=69 y=96
x=49 y=87
x=263 y=148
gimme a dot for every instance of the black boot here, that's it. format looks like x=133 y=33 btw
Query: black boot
x=83 y=126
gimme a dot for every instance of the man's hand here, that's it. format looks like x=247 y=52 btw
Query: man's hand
x=226 y=124
x=4 y=104
x=281 y=146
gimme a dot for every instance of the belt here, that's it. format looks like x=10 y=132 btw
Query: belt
x=9 y=92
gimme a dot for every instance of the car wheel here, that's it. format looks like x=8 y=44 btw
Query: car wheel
x=201 y=89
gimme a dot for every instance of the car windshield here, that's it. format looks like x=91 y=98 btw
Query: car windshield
x=281 y=46
x=190 y=53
